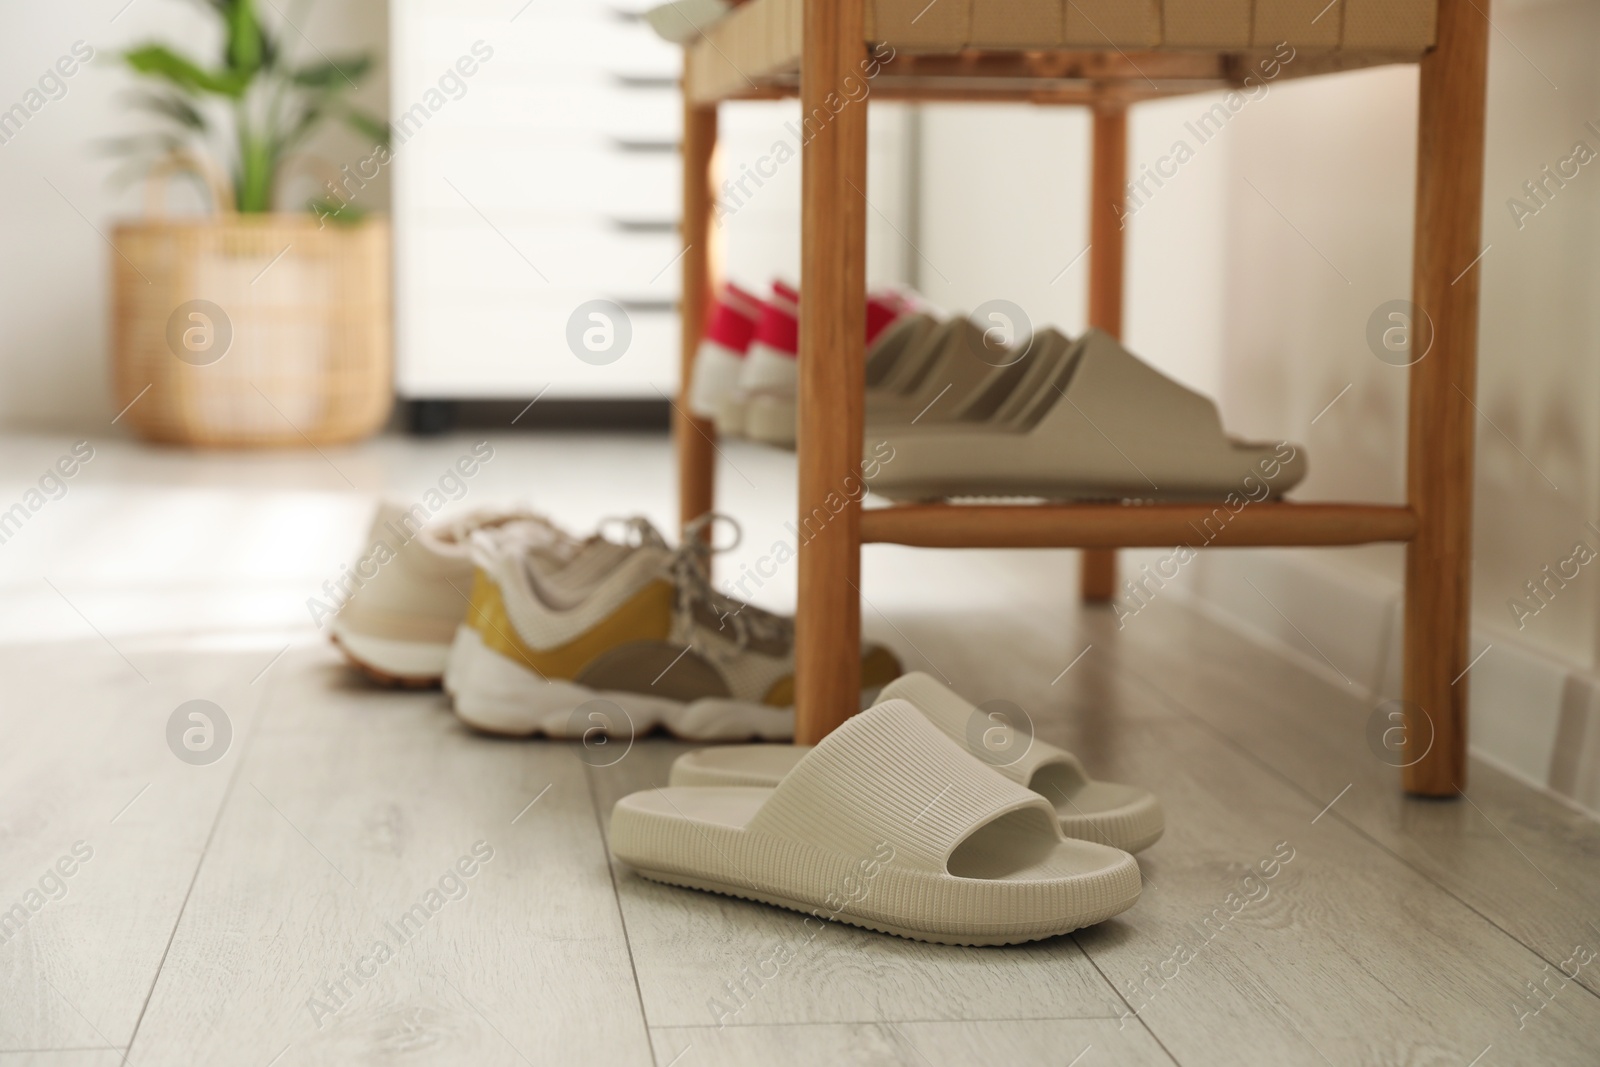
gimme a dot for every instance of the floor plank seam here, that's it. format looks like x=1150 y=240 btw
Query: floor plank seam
x=1259 y=761
x=73 y=1048
x=875 y=1021
x=622 y=918
x=263 y=702
x=1129 y=1007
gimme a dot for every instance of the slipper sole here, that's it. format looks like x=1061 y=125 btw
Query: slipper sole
x=933 y=937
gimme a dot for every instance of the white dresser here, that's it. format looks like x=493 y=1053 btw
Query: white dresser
x=549 y=177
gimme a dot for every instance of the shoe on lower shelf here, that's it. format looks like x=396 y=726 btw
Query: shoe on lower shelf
x=640 y=643
x=719 y=360
x=945 y=376
x=896 y=341
x=770 y=362
x=409 y=591
x=1108 y=427
x=766 y=408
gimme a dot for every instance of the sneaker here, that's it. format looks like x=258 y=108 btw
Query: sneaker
x=642 y=642
x=769 y=411
x=564 y=583
x=772 y=360
x=730 y=327
x=397 y=623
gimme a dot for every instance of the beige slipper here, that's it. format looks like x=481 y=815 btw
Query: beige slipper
x=889 y=825
x=1110 y=427
x=1122 y=816
x=772 y=416
x=1004 y=389
x=898 y=339
x=950 y=384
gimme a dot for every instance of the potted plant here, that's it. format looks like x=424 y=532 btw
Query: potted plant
x=251 y=326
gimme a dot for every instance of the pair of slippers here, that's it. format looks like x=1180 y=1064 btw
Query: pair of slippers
x=892 y=823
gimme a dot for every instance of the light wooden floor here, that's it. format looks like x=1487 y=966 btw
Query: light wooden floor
x=220 y=899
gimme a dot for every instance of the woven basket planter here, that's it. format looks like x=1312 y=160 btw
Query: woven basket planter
x=253 y=331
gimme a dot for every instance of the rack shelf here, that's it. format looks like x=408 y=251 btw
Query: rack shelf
x=1253 y=525
x=817 y=49
x=1046 y=76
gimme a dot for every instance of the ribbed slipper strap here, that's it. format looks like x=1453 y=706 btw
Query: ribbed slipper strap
x=1147 y=413
x=969 y=726
x=888 y=775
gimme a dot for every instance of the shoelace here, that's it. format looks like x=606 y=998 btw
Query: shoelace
x=687 y=567
x=524 y=530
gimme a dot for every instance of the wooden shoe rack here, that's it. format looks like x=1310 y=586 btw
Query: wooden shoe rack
x=1105 y=55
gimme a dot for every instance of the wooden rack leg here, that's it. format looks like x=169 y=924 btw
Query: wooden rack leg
x=1108 y=181
x=695 y=436
x=1438 y=610
x=833 y=242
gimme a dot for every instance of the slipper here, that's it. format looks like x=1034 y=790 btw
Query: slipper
x=897 y=339
x=951 y=384
x=1110 y=427
x=1109 y=813
x=951 y=375
x=889 y=825
x=771 y=415
x=992 y=397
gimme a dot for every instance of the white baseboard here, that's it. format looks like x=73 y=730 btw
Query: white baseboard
x=1532 y=715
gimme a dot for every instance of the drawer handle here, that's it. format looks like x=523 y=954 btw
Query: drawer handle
x=645 y=225
x=645 y=145
x=645 y=81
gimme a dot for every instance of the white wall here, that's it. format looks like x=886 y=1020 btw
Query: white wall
x=1005 y=212
x=1336 y=156
x=1252 y=275
x=55 y=271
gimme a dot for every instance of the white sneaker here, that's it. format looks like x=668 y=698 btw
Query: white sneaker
x=770 y=411
x=640 y=641
x=730 y=327
x=771 y=361
x=410 y=589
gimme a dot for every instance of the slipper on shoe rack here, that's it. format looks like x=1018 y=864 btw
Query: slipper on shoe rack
x=1108 y=813
x=886 y=824
x=894 y=342
x=1112 y=427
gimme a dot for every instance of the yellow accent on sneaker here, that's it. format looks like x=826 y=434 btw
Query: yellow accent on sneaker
x=646 y=616
x=879 y=667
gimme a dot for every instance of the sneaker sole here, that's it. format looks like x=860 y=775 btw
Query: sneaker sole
x=496 y=696
x=398 y=664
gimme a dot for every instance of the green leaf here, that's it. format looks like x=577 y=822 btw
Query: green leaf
x=309 y=118
x=244 y=38
x=367 y=125
x=269 y=49
x=158 y=61
x=256 y=176
x=173 y=106
x=341 y=73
